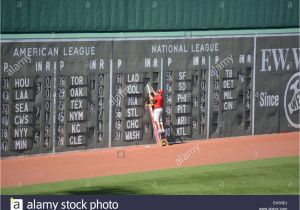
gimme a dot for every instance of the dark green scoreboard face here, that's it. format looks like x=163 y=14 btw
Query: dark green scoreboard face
x=81 y=94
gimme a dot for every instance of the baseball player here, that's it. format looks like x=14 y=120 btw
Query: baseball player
x=157 y=100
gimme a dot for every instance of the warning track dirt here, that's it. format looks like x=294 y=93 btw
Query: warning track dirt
x=85 y=164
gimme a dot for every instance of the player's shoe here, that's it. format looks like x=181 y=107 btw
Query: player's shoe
x=164 y=142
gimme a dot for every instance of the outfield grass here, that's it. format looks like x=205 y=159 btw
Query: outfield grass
x=256 y=177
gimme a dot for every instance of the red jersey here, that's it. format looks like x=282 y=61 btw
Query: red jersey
x=158 y=101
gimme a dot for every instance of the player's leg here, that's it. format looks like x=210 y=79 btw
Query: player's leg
x=161 y=120
x=156 y=119
x=158 y=126
x=162 y=126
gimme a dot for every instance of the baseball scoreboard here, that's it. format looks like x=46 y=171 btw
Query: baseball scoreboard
x=63 y=95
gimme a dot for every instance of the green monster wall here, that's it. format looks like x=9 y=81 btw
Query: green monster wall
x=35 y=16
x=73 y=72
x=76 y=94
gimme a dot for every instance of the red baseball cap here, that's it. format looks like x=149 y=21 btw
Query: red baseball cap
x=161 y=92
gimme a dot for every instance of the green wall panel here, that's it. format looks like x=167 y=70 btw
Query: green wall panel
x=148 y=15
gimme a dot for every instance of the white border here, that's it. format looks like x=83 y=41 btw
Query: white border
x=145 y=38
x=110 y=103
x=161 y=72
x=208 y=100
x=253 y=88
x=54 y=111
